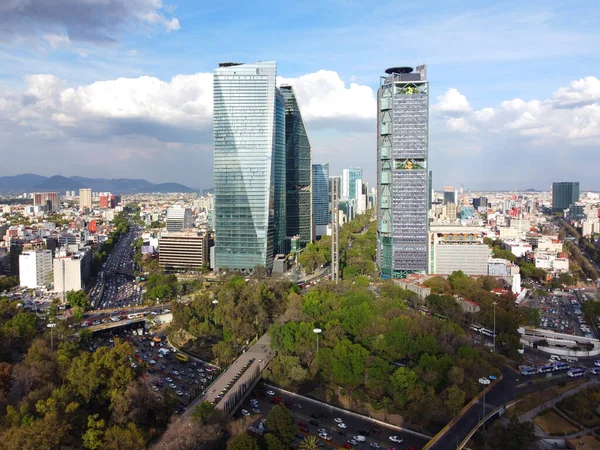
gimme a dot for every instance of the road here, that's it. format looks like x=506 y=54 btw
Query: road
x=302 y=409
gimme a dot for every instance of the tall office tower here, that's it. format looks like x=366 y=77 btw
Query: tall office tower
x=430 y=190
x=48 y=199
x=334 y=188
x=563 y=194
x=178 y=219
x=298 y=171
x=402 y=177
x=85 y=198
x=249 y=165
x=349 y=177
x=449 y=195
x=320 y=197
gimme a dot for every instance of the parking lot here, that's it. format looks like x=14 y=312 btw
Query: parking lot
x=334 y=429
x=160 y=364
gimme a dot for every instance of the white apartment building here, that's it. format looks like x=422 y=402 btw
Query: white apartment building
x=35 y=268
x=85 y=198
x=518 y=248
x=552 y=263
x=498 y=267
x=178 y=219
x=457 y=248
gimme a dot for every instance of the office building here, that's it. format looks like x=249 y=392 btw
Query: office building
x=576 y=212
x=450 y=195
x=298 y=171
x=71 y=271
x=50 y=201
x=454 y=248
x=35 y=268
x=320 y=198
x=564 y=194
x=430 y=190
x=349 y=178
x=249 y=166
x=480 y=203
x=187 y=250
x=85 y=198
x=178 y=219
x=402 y=176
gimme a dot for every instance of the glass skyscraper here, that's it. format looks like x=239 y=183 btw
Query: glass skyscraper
x=564 y=194
x=298 y=171
x=320 y=197
x=249 y=165
x=349 y=178
x=402 y=177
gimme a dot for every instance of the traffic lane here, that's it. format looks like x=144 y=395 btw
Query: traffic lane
x=339 y=435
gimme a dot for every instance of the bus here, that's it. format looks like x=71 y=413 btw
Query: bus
x=135 y=315
x=476 y=328
x=546 y=368
x=575 y=373
x=529 y=371
x=440 y=317
x=182 y=357
x=486 y=332
x=560 y=366
x=424 y=311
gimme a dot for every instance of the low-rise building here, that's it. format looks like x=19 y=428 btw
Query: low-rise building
x=185 y=250
x=458 y=248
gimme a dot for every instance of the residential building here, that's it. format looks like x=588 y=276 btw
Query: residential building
x=498 y=267
x=85 y=198
x=35 y=268
x=298 y=171
x=50 y=201
x=576 y=212
x=104 y=200
x=480 y=202
x=402 y=176
x=518 y=248
x=178 y=219
x=186 y=250
x=320 y=198
x=564 y=194
x=71 y=271
x=249 y=166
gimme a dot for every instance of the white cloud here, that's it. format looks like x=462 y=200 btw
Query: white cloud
x=324 y=95
x=579 y=92
x=57 y=40
x=452 y=102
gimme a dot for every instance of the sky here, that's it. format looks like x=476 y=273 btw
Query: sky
x=123 y=88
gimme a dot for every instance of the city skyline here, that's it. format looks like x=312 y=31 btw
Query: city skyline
x=134 y=99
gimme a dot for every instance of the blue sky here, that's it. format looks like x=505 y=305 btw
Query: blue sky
x=119 y=96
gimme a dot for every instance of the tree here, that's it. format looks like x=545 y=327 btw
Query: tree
x=78 y=298
x=310 y=442
x=203 y=412
x=403 y=380
x=385 y=404
x=455 y=400
x=124 y=438
x=281 y=423
x=92 y=438
x=242 y=441
x=273 y=443
x=515 y=436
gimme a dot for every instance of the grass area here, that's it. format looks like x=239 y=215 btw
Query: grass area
x=581 y=407
x=537 y=398
x=554 y=425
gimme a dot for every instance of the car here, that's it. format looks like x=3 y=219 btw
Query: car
x=359 y=438
x=299 y=436
x=352 y=442
x=179 y=393
x=346 y=445
x=172 y=386
x=325 y=436
x=304 y=429
x=270 y=393
x=322 y=431
x=597 y=362
x=342 y=425
x=396 y=439
x=256 y=410
x=169 y=380
x=245 y=412
x=374 y=445
x=338 y=420
x=595 y=371
x=298 y=405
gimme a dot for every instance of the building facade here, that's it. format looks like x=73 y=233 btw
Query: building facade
x=349 y=178
x=48 y=200
x=564 y=194
x=85 y=198
x=178 y=219
x=249 y=166
x=35 y=268
x=451 y=251
x=186 y=250
x=402 y=175
x=298 y=171
x=320 y=198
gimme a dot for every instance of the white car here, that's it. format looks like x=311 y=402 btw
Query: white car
x=396 y=439
x=256 y=410
x=245 y=412
x=338 y=420
x=270 y=393
x=342 y=425
x=325 y=436
x=597 y=362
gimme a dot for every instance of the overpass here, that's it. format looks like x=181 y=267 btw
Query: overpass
x=112 y=325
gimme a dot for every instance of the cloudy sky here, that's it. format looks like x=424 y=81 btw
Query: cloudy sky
x=123 y=88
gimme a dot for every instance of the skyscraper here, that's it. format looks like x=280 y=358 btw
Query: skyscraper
x=47 y=199
x=85 y=198
x=349 y=178
x=563 y=194
x=178 y=219
x=298 y=171
x=249 y=165
x=320 y=197
x=402 y=177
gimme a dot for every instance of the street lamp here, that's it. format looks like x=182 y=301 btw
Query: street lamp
x=51 y=325
x=494 y=325
x=484 y=381
x=317 y=331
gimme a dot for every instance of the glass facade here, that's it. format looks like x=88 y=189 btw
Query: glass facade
x=320 y=194
x=298 y=171
x=402 y=174
x=563 y=194
x=249 y=165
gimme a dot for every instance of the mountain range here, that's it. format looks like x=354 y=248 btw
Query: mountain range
x=29 y=182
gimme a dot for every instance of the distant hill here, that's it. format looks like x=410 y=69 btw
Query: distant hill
x=59 y=183
x=29 y=182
